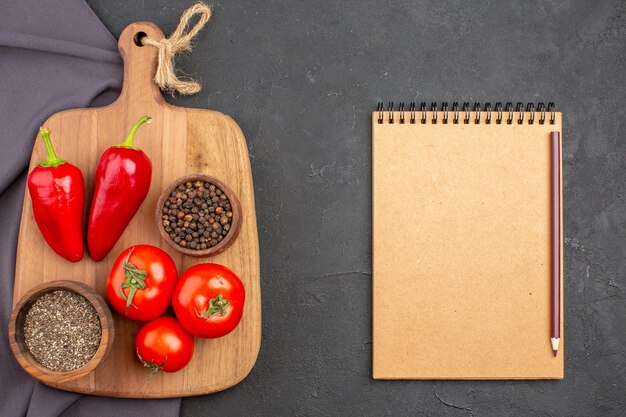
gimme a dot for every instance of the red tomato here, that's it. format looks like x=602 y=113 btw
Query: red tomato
x=162 y=344
x=141 y=282
x=208 y=300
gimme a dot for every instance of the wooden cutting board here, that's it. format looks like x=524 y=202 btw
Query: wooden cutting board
x=179 y=141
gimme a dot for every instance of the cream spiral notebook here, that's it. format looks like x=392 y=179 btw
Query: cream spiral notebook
x=462 y=244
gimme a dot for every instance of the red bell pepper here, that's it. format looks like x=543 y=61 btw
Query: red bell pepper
x=57 y=190
x=122 y=183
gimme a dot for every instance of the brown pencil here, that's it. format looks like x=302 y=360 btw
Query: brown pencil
x=555 y=331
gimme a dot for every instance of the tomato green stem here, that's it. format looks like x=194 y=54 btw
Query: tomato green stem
x=154 y=368
x=53 y=160
x=128 y=143
x=134 y=280
x=216 y=305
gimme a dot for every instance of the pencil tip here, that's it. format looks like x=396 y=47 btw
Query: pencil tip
x=555 y=345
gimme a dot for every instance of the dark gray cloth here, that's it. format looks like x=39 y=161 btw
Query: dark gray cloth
x=54 y=55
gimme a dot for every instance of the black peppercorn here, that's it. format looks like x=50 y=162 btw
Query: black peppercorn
x=197 y=215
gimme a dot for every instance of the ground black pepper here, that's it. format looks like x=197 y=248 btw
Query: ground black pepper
x=62 y=330
x=197 y=215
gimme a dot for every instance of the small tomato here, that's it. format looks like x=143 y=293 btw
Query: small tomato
x=208 y=300
x=163 y=345
x=141 y=282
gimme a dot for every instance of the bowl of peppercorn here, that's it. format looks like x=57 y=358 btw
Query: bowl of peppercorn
x=60 y=331
x=198 y=215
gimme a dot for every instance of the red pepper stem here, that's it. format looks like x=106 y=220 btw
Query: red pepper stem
x=128 y=143
x=53 y=160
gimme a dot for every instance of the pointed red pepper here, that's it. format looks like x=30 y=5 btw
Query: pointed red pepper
x=122 y=182
x=57 y=190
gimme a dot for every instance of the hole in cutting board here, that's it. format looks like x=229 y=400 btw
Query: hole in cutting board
x=138 y=37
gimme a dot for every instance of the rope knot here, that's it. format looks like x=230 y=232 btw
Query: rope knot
x=178 y=42
x=166 y=46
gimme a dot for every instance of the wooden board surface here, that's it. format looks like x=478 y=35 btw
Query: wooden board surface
x=179 y=141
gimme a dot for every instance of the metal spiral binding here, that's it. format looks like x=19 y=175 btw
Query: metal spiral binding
x=541 y=108
x=498 y=112
x=519 y=107
x=530 y=107
x=509 y=109
x=466 y=109
x=477 y=110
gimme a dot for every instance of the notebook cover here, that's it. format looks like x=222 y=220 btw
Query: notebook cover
x=461 y=250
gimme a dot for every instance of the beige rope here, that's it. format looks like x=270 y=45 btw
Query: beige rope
x=178 y=42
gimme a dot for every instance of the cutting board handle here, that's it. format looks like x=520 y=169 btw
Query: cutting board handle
x=139 y=62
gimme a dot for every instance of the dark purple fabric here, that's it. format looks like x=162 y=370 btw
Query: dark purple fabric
x=54 y=55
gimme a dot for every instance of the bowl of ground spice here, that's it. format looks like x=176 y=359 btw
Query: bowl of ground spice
x=198 y=215
x=60 y=331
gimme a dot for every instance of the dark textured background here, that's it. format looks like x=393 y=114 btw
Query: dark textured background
x=301 y=78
